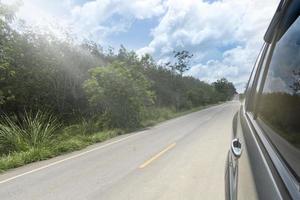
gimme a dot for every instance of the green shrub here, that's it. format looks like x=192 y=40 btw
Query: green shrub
x=121 y=92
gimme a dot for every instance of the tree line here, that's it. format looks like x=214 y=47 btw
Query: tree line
x=75 y=81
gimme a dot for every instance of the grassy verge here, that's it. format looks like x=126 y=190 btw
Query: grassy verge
x=163 y=114
x=69 y=141
x=58 y=147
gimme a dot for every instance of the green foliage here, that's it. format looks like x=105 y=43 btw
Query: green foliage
x=31 y=131
x=38 y=129
x=183 y=59
x=181 y=92
x=84 y=127
x=11 y=136
x=154 y=115
x=225 y=89
x=7 y=37
x=70 y=144
x=120 y=92
x=18 y=159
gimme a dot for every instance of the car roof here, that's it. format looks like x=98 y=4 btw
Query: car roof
x=286 y=13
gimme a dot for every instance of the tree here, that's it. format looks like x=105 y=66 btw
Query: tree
x=183 y=60
x=119 y=93
x=147 y=61
x=7 y=40
x=225 y=89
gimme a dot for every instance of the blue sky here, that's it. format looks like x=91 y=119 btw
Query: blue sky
x=137 y=36
x=224 y=35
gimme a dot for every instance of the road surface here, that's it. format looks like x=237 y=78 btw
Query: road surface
x=183 y=158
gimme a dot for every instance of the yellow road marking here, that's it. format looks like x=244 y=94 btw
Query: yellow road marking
x=157 y=156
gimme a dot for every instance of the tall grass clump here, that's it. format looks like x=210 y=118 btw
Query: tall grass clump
x=11 y=136
x=38 y=129
x=29 y=131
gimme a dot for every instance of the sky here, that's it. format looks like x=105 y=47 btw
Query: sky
x=224 y=36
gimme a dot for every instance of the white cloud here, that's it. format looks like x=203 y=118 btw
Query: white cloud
x=102 y=17
x=225 y=36
x=93 y=20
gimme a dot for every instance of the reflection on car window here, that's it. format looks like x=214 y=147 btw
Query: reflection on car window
x=279 y=106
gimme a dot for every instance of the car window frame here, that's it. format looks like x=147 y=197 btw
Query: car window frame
x=253 y=77
x=253 y=95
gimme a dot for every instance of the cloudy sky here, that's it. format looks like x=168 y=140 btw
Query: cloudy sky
x=224 y=35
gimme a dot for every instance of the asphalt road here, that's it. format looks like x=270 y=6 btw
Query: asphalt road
x=183 y=158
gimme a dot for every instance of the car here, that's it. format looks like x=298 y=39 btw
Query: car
x=263 y=161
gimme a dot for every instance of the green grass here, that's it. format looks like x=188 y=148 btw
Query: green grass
x=36 y=139
x=158 y=115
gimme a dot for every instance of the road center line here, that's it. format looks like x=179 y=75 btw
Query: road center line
x=157 y=156
x=69 y=158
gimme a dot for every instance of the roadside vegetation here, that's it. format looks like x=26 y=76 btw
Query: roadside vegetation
x=58 y=95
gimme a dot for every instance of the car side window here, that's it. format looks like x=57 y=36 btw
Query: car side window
x=279 y=106
x=255 y=70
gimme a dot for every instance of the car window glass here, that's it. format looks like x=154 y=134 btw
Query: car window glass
x=279 y=107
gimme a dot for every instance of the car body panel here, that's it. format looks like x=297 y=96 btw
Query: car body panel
x=245 y=179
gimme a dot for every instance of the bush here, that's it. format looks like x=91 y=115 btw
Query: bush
x=121 y=93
